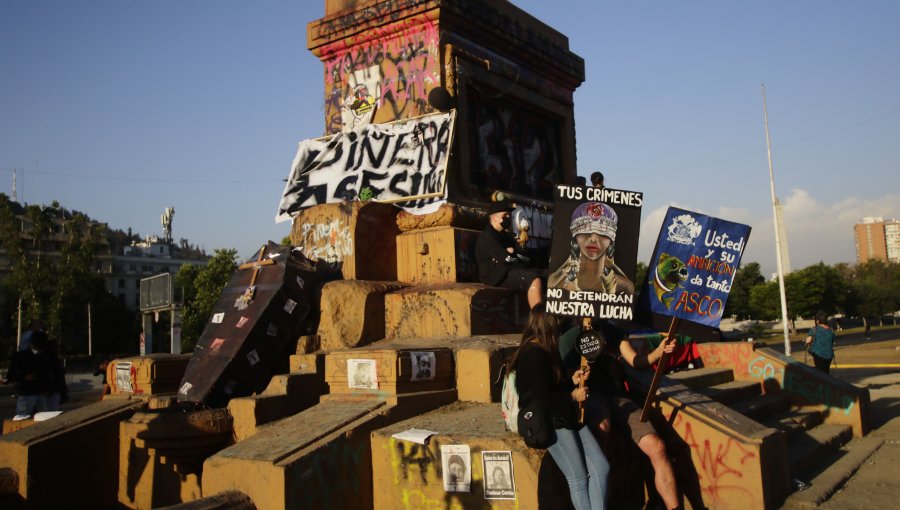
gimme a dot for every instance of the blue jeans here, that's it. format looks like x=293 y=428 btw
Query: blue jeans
x=582 y=462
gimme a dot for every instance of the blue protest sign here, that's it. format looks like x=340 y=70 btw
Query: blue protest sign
x=693 y=266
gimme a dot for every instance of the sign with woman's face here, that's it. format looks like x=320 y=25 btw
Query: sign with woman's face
x=593 y=256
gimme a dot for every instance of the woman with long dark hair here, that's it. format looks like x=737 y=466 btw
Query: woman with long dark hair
x=541 y=382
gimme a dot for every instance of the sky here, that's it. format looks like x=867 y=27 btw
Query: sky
x=119 y=109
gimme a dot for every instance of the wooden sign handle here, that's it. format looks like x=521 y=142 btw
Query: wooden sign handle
x=586 y=325
x=660 y=368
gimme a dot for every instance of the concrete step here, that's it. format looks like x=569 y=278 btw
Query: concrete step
x=822 y=481
x=762 y=406
x=454 y=310
x=795 y=420
x=703 y=377
x=733 y=391
x=811 y=448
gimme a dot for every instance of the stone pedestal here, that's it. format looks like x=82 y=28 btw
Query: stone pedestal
x=73 y=457
x=454 y=310
x=356 y=238
x=437 y=255
x=352 y=313
x=161 y=455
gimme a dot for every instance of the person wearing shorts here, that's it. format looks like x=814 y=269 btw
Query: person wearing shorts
x=501 y=262
x=608 y=402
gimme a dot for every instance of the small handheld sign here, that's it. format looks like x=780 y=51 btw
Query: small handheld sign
x=591 y=344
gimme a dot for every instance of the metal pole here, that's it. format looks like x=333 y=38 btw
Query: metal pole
x=19 y=327
x=784 y=319
x=90 y=333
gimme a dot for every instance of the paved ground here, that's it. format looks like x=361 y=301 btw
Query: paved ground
x=84 y=388
x=873 y=364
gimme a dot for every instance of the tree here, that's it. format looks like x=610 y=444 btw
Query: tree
x=738 y=304
x=51 y=254
x=876 y=285
x=765 y=301
x=814 y=288
x=201 y=289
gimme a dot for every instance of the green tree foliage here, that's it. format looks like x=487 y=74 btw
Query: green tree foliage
x=765 y=302
x=876 y=287
x=813 y=288
x=51 y=254
x=738 y=304
x=201 y=289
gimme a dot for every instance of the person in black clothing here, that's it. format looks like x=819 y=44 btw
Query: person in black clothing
x=610 y=404
x=35 y=371
x=501 y=262
x=541 y=382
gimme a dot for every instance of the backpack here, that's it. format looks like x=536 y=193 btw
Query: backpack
x=509 y=402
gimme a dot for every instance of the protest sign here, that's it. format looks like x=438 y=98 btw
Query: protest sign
x=593 y=255
x=403 y=162
x=693 y=266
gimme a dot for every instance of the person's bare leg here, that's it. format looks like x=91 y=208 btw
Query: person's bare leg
x=535 y=293
x=664 y=476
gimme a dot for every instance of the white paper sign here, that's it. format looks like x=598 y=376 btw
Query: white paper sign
x=423 y=365
x=361 y=374
x=123 y=376
x=457 y=467
x=217 y=317
x=499 y=482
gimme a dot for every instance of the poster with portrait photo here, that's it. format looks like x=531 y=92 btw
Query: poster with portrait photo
x=593 y=256
x=456 y=464
x=423 y=365
x=499 y=482
x=361 y=373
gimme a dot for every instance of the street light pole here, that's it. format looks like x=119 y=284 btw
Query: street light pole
x=787 y=339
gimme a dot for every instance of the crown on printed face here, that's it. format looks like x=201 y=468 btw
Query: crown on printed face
x=594 y=218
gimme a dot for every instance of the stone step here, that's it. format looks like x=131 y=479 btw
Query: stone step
x=83 y=443
x=822 y=481
x=795 y=420
x=319 y=458
x=733 y=391
x=762 y=406
x=423 y=468
x=810 y=448
x=454 y=310
x=287 y=394
x=228 y=500
x=703 y=377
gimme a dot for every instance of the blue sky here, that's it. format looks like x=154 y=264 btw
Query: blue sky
x=120 y=109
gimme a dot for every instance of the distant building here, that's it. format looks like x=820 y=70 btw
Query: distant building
x=122 y=268
x=877 y=239
x=123 y=273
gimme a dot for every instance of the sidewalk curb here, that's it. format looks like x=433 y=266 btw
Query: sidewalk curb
x=828 y=481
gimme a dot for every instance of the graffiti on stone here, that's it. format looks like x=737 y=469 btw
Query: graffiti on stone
x=392 y=73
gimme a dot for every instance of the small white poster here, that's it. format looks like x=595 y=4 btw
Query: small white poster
x=499 y=482
x=423 y=365
x=457 y=467
x=217 y=317
x=123 y=376
x=361 y=374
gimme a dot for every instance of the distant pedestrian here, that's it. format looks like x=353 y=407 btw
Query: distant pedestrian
x=868 y=328
x=820 y=343
x=33 y=326
x=34 y=371
x=580 y=181
x=597 y=180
